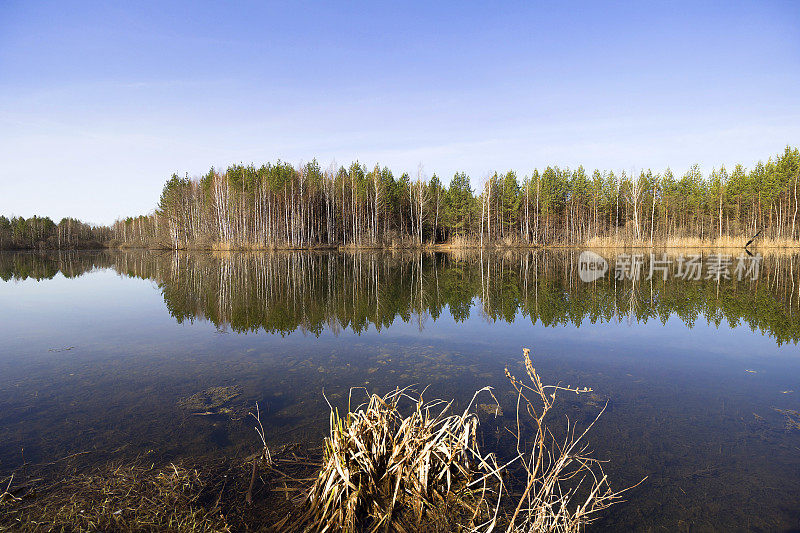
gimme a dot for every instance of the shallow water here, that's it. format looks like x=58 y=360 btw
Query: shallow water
x=99 y=348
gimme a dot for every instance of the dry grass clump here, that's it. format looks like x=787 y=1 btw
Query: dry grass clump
x=126 y=498
x=386 y=471
x=565 y=487
x=424 y=471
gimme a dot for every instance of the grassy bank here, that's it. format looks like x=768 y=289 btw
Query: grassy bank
x=621 y=240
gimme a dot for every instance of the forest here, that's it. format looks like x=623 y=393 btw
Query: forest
x=278 y=205
x=19 y=233
x=282 y=206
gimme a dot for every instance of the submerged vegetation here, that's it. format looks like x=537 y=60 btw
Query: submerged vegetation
x=386 y=466
x=121 y=497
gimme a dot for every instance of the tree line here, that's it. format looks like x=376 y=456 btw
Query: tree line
x=281 y=205
x=19 y=233
x=278 y=205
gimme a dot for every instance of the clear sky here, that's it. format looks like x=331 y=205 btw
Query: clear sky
x=101 y=102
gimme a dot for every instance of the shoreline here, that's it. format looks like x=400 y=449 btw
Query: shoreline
x=442 y=247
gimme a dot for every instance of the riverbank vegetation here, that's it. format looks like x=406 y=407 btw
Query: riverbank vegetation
x=424 y=471
x=386 y=469
x=395 y=463
x=282 y=206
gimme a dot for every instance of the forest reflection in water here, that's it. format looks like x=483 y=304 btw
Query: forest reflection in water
x=313 y=291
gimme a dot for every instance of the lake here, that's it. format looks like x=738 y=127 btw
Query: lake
x=701 y=373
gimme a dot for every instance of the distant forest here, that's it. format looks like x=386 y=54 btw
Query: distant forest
x=18 y=233
x=282 y=206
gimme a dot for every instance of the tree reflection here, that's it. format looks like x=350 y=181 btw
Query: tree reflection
x=316 y=291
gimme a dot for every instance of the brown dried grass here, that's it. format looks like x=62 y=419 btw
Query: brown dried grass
x=566 y=487
x=383 y=470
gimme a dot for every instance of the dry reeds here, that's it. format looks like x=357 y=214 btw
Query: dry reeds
x=725 y=241
x=385 y=471
x=424 y=471
x=566 y=487
x=264 y=456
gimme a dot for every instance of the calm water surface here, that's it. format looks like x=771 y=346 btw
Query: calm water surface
x=98 y=349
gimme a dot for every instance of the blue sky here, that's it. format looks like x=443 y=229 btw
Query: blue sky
x=101 y=102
